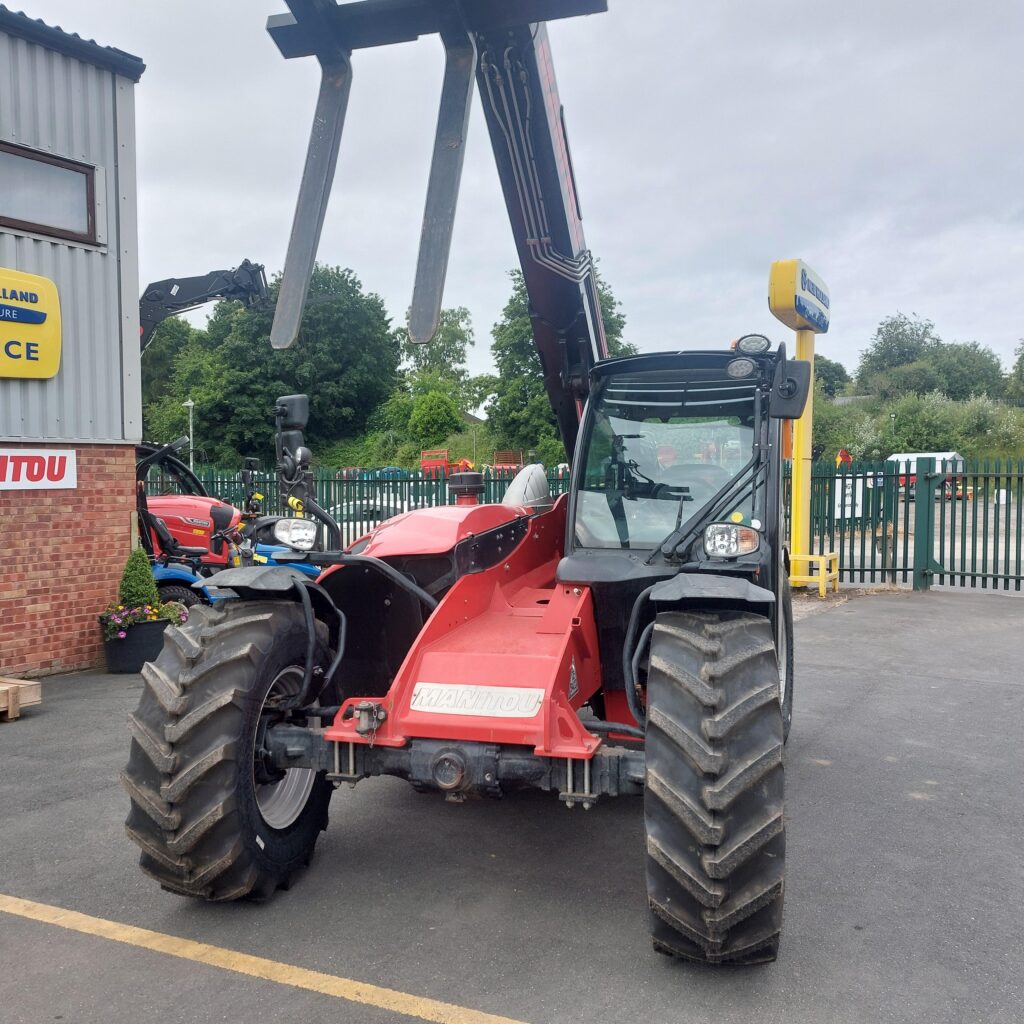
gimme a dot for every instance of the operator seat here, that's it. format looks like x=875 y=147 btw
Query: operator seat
x=529 y=487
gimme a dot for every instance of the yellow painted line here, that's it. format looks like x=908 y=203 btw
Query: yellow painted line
x=254 y=966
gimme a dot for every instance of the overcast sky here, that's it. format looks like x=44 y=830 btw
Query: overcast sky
x=880 y=141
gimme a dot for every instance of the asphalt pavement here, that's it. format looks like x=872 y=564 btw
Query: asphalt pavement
x=905 y=880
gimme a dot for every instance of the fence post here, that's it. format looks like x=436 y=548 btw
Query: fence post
x=890 y=518
x=924 y=522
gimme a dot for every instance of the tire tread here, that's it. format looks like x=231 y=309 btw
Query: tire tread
x=714 y=788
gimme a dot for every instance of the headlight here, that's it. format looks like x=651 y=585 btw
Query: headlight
x=729 y=540
x=753 y=344
x=296 y=533
x=742 y=367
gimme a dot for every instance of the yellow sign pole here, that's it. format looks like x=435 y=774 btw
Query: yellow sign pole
x=800 y=496
x=800 y=299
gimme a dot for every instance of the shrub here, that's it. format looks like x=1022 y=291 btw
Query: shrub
x=138 y=587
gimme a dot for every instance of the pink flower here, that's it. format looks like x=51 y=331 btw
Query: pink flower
x=121 y=634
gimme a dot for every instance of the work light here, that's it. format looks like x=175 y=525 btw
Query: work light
x=296 y=533
x=753 y=344
x=742 y=367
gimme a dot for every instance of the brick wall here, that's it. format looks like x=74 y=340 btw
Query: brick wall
x=61 y=556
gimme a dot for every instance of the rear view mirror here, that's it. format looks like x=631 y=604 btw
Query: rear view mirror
x=790 y=388
x=293 y=412
x=221 y=515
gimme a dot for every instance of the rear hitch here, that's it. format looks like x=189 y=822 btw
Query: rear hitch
x=369 y=716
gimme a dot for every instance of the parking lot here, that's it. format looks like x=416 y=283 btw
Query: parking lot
x=904 y=895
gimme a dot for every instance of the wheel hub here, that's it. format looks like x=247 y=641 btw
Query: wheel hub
x=281 y=794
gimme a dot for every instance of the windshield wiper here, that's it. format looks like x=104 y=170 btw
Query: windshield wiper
x=725 y=496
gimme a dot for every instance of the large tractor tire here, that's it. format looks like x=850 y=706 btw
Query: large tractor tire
x=713 y=803
x=210 y=819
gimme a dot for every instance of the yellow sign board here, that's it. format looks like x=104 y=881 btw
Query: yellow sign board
x=29 y=326
x=798 y=297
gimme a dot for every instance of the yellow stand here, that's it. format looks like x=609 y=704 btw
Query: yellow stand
x=799 y=298
x=800 y=556
x=828 y=571
x=800 y=503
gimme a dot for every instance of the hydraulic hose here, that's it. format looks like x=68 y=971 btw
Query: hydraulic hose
x=596 y=725
x=305 y=694
x=645 y=637
x=630 y=666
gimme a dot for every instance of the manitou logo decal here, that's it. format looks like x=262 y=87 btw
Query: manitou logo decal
x=482 y=701
x=37 y=470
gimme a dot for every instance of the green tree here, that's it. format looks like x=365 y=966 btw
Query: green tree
x=434 y=416
x=448 y=350
x=519 y=412
x=966 y=368
x=160 y=356
x=1015 y=378
x=346 y=359
x=898 y=340
x=918 y=378
x=138 y=588
x=197 y=374
x=831 y=374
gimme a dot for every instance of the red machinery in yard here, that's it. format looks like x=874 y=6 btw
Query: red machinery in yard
x=438 y=462
x=507 y=461
x=633 y=636
x=172 y=498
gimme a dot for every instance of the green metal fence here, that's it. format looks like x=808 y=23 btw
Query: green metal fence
x=954 y=524
x=361 y=502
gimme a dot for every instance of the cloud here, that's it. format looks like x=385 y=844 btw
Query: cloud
x=878 y=141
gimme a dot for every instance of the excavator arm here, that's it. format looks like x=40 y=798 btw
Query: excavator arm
x=503 y=47
x=163 y=299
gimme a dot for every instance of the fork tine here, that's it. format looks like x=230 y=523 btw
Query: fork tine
x=314 y=191
x=443 y=187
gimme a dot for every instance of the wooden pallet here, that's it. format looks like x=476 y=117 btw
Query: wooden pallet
x=16 y=694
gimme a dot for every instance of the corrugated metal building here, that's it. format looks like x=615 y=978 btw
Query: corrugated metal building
x=68 y=215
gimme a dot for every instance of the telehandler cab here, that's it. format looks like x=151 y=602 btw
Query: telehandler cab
x=633 y=636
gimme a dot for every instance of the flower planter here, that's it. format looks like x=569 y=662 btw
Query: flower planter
x=143 y=643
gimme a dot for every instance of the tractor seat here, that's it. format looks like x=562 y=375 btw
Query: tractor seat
x=168 y=544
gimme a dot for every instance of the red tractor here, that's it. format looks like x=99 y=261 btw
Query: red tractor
x=632 y=637
x=181 y=527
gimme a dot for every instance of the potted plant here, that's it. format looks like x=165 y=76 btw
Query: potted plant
x=133 y=627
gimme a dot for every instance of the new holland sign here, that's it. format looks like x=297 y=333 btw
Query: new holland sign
x=29 y=326
x=798 y=297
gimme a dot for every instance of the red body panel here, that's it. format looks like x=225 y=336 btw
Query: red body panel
x=508 y=656
x=432 y=531
x=188 y=520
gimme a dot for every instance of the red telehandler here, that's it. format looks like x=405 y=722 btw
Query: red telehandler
x=633 y=636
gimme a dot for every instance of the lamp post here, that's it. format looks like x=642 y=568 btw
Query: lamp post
x=190 y=405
